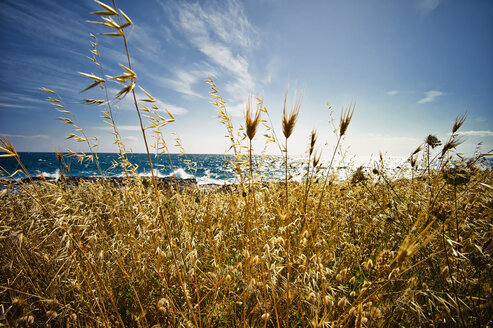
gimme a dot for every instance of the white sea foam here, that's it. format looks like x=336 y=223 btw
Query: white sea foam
x=208 y=180
x=55 y=175
x=180 y=174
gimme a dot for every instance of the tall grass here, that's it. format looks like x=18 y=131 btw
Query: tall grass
x=368 y=251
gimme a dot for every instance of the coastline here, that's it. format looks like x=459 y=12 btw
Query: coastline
x=163 y=182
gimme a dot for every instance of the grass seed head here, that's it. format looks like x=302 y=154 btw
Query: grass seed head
x=346 y=117
x=316 y=158
x=458 y=122
x=289 y=120
x=451 y=144
x=313 y=140
x=328 y=301
x=251 y=120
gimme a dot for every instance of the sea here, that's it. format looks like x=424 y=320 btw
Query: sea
x=205 y=168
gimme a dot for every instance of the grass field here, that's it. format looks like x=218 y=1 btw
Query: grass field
x=368 y=251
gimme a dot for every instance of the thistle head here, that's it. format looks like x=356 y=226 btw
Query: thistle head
x=251 y=120
x=432 y=141
x=289 y=120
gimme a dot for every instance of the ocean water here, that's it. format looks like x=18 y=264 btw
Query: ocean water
x=205 y=168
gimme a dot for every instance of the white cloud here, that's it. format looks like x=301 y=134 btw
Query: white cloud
x=131 y=139
x=37 y=136
x=19 y=97
x=145 y=43
x=21 y=101
x=388 y=139
x=127 y=103
x=477 y=133
x=427 y=6
x=7 y=105
x=224 y=35
x=236 y=110
x=57 y=24
x=184 y=81
x=430 y=96
x=392 y=92
x=224 y=21
x=122 y=128
x=173 y=109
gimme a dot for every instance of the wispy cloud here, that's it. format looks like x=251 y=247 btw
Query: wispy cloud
x=173 y=109
x=477 y=133
x=57 y=24
x=132 y=140
x=430 y=96
x=145 y=43
x=184 y=81
x=22 y=136
x=224 y=35
x=122 y=128
x=427 y=6
x=128 y=104
x=392 y=92
x=236 y=110
x=7 y=105
x=19 y=100
x=389 y=139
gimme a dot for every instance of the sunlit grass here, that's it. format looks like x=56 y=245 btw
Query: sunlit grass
x=368 y=251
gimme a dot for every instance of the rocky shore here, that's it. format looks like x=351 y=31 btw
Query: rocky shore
x=163 y=182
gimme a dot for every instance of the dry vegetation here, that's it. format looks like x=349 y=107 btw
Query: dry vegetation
x=369 y=251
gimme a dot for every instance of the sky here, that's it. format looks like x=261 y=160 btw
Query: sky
x=409 y=68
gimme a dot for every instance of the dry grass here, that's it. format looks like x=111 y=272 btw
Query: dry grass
x=91 y=256
x=369 y=251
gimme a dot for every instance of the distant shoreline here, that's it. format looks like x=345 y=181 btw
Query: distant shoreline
x=163 y=182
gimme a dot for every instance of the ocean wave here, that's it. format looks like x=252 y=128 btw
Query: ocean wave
x=181 y=174
x=178 y=173
x=55 y=175
x=205 y=180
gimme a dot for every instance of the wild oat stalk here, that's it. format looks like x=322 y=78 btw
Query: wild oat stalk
x=288 y=123
x=59 y=105
x=225 y=118
x=130 y=76
x=251 y=123
x=346 y=117
x=109 y=116
x=311 y=149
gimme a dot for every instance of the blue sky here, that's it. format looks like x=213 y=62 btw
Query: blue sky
x=409 y=66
